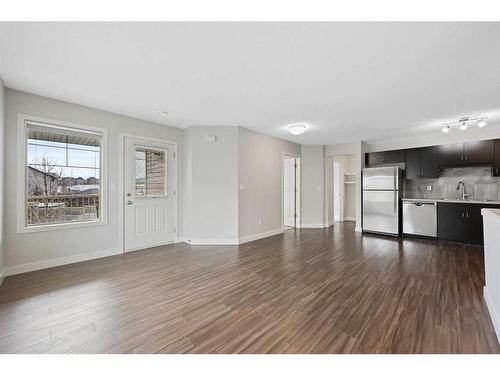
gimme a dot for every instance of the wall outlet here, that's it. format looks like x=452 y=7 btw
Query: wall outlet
x=242 y=187
x=429 y=187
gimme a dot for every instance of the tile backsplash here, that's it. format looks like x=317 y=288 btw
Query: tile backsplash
x=478 y=181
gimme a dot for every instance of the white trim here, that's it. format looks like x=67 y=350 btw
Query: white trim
x=259 y=236
x=21 y=176
x=48 y=263
x=336 y=218
x=312 y=226
x=349 y=218
x=2 y=276
x=495 y=316
x=212 y=241
x=121 y=184
x=358 y=229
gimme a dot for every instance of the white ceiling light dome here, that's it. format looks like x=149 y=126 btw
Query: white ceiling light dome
x=297 y=129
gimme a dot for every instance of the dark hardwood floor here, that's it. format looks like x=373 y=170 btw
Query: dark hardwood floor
x=307 y=291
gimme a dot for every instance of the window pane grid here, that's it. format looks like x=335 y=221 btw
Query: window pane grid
x=63 y=175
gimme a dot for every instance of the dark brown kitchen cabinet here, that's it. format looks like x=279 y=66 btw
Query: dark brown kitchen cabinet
x=450 y=155
x=422 y=163
x=468 y=153
x=384 y=157
x=479 y=152
x=496 y=166
x=461 y=222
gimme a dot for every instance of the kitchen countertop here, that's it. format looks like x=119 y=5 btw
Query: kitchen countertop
x=448 y=200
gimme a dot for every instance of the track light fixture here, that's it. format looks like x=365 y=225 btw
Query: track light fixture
x=464 y=122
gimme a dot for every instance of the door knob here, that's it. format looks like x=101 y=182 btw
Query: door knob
x=129 y=202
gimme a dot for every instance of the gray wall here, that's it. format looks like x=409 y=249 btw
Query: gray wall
x=2 y=169
x=313 y=186
x=260 y=176
x=210 y=185
x=477 y=180
x=44 y=246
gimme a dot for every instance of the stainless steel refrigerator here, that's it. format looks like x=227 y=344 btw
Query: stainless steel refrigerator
x=381 y=200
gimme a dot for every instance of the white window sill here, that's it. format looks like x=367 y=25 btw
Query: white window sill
x=60 y=226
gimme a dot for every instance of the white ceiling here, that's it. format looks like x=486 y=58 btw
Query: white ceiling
x=349 y=81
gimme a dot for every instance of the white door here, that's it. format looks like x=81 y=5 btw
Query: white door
x=149 y=209
x=289 y=192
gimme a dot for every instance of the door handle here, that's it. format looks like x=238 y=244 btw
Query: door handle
x=129 y=202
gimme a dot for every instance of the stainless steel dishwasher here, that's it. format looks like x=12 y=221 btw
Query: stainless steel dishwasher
x=420 y=218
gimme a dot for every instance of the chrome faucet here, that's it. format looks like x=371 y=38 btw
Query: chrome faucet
x=465 y=195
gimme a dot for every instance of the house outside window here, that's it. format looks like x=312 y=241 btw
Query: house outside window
x=63 y=179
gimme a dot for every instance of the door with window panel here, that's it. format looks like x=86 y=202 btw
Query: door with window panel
x=149 y=215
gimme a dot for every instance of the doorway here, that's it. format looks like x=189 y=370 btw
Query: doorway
x=338 y=191
x=341 y=188
x=291 y=195
x=148 y=193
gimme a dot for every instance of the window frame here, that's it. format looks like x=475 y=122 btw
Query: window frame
x=22 y=175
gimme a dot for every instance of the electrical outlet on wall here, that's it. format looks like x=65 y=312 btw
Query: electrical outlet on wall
x=429 y=187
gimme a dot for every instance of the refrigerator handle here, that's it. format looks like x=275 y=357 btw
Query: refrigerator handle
x=395 y=202
x=395 y=178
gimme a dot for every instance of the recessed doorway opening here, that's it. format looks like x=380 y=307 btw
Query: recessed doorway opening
x=341 y=197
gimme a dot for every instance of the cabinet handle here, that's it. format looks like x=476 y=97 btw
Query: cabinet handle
x=465 y=157
x=461 y=157
x=496 y=170
x=462 y=213
x=467 y=214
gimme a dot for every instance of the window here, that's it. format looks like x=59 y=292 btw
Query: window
x=63 y=181
x=150 y=172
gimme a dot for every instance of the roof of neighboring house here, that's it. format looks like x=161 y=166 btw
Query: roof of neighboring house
x=53 y=175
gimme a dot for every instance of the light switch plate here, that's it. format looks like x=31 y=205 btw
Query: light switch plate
x=429 y=187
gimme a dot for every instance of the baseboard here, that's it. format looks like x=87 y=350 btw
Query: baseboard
x=49 y=263
x=211 y=241
x=311 y=226
x=349 y=218
x=495 y=317
x=358 y=229
x=179 y=239
x=258 y=236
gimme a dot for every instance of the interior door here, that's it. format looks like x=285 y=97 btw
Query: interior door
x=149 y=215
x=289 y=192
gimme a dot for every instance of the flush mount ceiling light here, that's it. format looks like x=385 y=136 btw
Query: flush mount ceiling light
x=163 y=113
x=463 y=123
x=296 y=129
